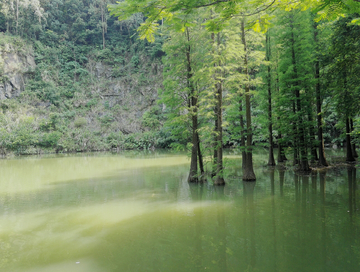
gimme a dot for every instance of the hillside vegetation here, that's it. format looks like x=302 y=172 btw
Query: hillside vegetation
x=87 y=91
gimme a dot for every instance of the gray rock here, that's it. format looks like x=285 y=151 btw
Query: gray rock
x=15 y=67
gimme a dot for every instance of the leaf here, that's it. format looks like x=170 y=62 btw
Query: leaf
x=257 y=27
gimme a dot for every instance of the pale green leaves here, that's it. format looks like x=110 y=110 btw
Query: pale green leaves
x=147 y=31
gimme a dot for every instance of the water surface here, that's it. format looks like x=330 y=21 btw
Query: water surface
x=136 y=212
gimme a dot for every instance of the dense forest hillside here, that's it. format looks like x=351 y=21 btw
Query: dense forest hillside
x=82 y=80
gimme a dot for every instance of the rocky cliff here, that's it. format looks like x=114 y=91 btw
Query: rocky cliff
x=16 y=63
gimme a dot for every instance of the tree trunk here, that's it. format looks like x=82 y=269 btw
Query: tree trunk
x=216 y=110
x=271 y=161
x=219 y=179
x=295 y=138
x=281 y=153
x=194 y=150
x=17 y=17
x=193 y=111
x=103 y=24
x=349 y=154
x=314 y=156
x=248 y=171
x=353 y=146
x=303 y=160
x=242 y=135
x=322 y=159
x=200 y=157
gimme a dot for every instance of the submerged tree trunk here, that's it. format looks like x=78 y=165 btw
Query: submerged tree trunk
x=248 y=171
x=322 y=159
x=349 y=154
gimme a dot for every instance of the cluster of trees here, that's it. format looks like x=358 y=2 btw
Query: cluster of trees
x=235 y=73
x=226 y=60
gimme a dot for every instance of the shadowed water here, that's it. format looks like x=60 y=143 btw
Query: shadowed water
x=136 y=212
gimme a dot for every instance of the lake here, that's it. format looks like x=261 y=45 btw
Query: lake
x=135 y=211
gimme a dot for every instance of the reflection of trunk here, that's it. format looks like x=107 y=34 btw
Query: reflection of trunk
x=249 y=202
x=222 y=232
x=351 y=171
x=273 y=213
x=297 y=189
x=196 y=195
x=323 y=218
x=248 y=171
x=349 y=153
x=313 y=186
x=281 y=177
x=272 y=181
x=304 y=193
x=271 y=160
x=353 y=146
x=196 y=191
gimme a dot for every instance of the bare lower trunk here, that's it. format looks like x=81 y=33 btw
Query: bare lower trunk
x=322 y=159
x=193 y=111
x=194 y=151
x=303 y=160
x=242 y=134
x=218 y=151
x=201 y=161
x=248 y=172
x=281 y=152
x=219 y=179
x=314 y=156
x=353 y=146
x=271 y=161
x=349 y=154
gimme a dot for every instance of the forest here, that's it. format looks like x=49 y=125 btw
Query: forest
x=189 y=75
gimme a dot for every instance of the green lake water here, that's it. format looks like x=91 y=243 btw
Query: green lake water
x=136 y=212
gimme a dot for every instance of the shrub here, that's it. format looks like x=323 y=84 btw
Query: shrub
x=80 y=122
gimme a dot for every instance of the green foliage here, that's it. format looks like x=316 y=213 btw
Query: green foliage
x=153 y=118
x=80 y=122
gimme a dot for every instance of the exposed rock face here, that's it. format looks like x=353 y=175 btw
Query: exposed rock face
x=127 y=96
x=15 y=65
